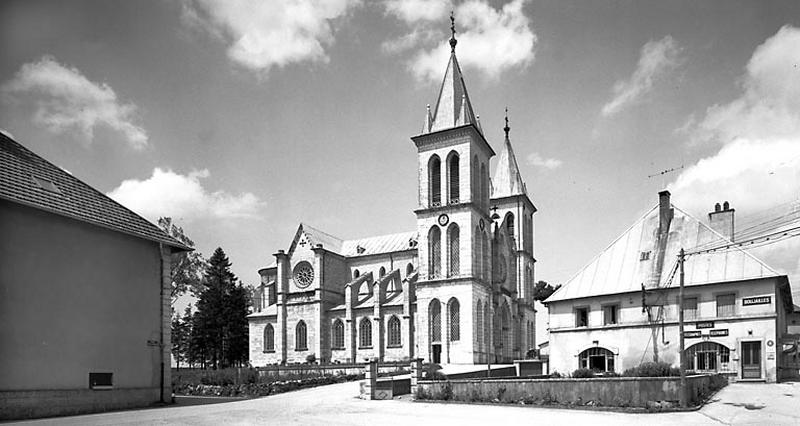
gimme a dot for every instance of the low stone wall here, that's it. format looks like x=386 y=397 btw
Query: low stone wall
x=46 y=403
x=328 y=369
x=615 y=391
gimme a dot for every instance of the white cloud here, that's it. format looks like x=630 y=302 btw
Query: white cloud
x=66 y=100
x=758 y=166
x=655 y=60
x=167 y=193
x=265 y=34
x=489 y=40
x=534 y=159
x=412 y=11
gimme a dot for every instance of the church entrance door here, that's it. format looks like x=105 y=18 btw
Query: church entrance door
x=436 y=350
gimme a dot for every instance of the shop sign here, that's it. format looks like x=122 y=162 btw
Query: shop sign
x=760 y=300
x=704 y=324
x=694 y=334
x=717 y=333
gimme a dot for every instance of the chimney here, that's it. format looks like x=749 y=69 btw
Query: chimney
x=664 y=212
x=721 y=220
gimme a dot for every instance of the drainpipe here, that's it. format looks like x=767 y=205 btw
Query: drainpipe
x=161 y=319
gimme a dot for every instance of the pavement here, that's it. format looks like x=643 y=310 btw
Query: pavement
x=739 y=404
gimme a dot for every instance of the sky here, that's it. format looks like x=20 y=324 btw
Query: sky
x=240 y=119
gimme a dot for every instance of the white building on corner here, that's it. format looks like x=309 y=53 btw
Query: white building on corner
x=735 y=306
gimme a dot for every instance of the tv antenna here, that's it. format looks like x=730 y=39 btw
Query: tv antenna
x=663 y=174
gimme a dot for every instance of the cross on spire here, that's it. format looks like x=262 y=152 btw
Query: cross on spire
x=453 y=40
x=507 y=128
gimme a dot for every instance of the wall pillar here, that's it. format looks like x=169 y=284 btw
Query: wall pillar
x=416 y=375
x=282 y=285
x=370 y=379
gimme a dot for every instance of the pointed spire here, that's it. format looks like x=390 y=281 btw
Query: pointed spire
x=507 y=178
x=453 y=107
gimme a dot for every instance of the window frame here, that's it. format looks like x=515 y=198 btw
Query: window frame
x=336 y=326
x=616 y=308
x=301 y=345
x=271 y=347
x=576 y=310
x=732 y=305
x=394 y=332
x=364 y=324
x=696 y=308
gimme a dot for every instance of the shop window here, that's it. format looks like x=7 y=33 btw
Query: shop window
x=707 y=356
x=596 y=359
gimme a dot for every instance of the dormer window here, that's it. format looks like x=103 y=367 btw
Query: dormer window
x=645 y=255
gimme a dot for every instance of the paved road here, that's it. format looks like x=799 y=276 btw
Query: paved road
x=337 y=405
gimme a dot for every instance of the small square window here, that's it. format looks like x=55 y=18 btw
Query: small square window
x=645 y=255
x=581 y=317
x=101 y=380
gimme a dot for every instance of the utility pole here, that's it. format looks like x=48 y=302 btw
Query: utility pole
x=681 y=258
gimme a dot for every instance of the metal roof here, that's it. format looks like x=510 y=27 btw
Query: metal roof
x=380 y=244
x=620 y=268
x=29 y=179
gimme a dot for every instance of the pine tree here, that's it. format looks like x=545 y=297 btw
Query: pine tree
x=181 y=337
x=220 y=322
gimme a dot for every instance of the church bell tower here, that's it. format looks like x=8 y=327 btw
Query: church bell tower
x=454 y=288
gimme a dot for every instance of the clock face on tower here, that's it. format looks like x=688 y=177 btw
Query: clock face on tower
x=443 y=219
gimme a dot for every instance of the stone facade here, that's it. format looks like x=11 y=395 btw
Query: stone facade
x=455 y=290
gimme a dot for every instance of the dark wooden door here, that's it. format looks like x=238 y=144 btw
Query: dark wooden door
x=751 y=360
x=437 y=353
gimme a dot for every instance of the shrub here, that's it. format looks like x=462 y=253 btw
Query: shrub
x=556 y=375
x=652 y=369
x=583 y=373
x=311 y=358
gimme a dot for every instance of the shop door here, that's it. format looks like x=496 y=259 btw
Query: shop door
x=751 y=360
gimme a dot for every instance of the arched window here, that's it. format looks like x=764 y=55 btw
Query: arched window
x=395 y=339
x=356 y=274
x=453 y=178
x=707 y=356
x=435 y=252
x=596 y=359
x=479 y=323
x=300 y=340
x=484 y=186
x=453 y=250
x=337 y=334
x=381 y=272
x=435 y=181
x=409 y=269
x=365 y=333
x=435 y=321
x=487 y=326
x=510 y=224
x=474 y=181
x=454 y=316
x=477 y=264
x=269 y=338
x=487 y=255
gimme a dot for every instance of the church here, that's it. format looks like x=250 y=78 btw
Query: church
x=457 y=289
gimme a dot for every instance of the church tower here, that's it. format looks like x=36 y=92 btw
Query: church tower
x=512 y=211
x=454 y=290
